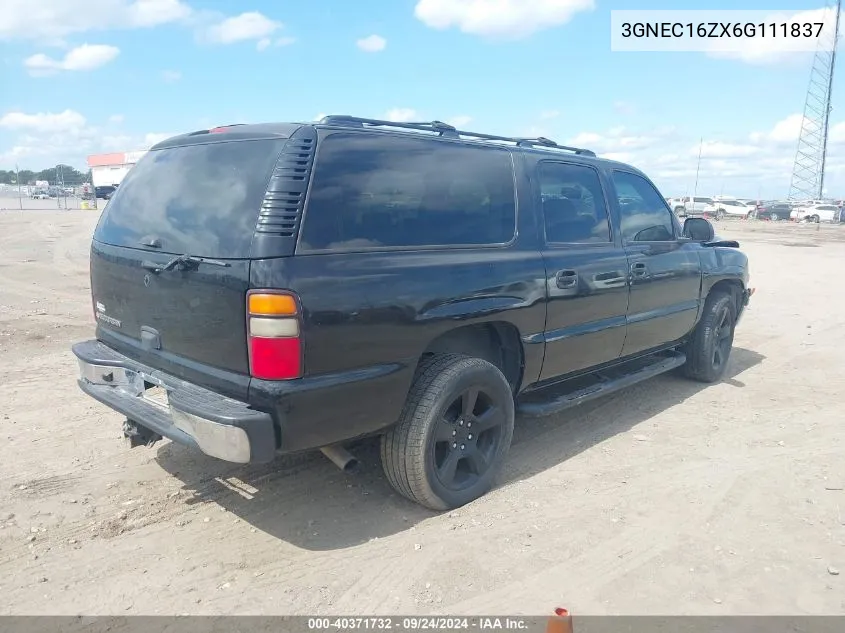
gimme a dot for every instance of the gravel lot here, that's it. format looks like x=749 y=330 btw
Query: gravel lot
x=667 y=498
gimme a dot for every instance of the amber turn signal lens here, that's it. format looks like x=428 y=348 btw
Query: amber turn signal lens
x=272 y=304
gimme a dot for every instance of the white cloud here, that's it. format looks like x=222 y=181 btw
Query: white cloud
x=372 y=44
x=42 y=121
x=81 y=58
x=46 y=21
x=760 y=163
x=622 y=157
x=171 y=76
x=719 y=149
x=264 y=43
x=771 y=50
x=401 y=115
x=460 y=121
x=615 y=139
x=41 y=139
x=500 y=18
x=784 y=131
x=244 y=27
x=152 y=138
x=549 y=114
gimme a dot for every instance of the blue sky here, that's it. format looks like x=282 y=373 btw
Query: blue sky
x=89 y=76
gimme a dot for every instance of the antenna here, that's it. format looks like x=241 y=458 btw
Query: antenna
x=811 y=155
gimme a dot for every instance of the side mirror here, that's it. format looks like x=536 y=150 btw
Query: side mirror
x=699 y=230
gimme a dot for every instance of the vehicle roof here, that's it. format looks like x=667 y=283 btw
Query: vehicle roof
x=281 y=130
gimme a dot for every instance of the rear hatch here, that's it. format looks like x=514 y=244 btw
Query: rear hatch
x=201 y=200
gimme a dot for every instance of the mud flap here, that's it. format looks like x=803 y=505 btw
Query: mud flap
x=138 y=435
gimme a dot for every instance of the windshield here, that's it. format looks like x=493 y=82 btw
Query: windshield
x=198 y=199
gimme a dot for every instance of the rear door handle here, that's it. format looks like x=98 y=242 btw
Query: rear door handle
x=639 y=269
x=566 y=279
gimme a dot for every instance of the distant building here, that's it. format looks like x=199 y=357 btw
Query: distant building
x=110 y=169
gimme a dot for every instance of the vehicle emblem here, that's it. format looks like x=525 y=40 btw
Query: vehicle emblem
x=147 y=281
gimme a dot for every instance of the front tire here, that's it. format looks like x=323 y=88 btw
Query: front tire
x=453 y=435
x=709 y=349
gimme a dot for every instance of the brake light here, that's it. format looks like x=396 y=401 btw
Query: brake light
x=274 y=335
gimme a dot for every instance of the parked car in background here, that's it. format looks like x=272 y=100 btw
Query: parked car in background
x=733 y=208
x=693 y=205
x=752 y=206
x=103 y=191
x=774 y=211
x=815 y=213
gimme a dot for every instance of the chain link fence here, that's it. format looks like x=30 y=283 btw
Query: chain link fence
x=61 y=188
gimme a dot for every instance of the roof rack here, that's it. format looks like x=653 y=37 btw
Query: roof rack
x=449 y=131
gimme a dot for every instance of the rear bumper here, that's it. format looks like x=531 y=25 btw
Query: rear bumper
x=194 y=416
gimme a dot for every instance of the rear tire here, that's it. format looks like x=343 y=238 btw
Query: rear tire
x=709 y=349
x=453 y=435
x=814 y=219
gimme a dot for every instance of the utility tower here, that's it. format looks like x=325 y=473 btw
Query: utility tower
x=808 y=172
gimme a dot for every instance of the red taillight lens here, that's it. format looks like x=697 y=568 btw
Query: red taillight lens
x=274 y=335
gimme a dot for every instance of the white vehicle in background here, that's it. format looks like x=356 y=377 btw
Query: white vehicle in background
x=815 y=213
x=697 y=205
x=733 y=208
x=751 y=205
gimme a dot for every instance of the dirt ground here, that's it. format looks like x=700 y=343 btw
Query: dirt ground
x=668 y=498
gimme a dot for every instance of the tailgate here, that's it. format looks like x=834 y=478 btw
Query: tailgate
x=199 y=200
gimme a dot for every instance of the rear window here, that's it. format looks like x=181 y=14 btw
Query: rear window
x=196 y=199
x=376 y=191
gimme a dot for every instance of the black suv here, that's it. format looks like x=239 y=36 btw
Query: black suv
x=264 y=289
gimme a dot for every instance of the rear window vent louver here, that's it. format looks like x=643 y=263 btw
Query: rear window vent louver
x=281 y=210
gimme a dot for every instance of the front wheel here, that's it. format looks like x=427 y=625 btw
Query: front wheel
x=710 y=347
x=720 y=214
x=814 y=219
x=453 y=435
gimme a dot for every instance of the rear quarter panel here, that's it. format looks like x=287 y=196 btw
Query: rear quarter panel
x=369 y=316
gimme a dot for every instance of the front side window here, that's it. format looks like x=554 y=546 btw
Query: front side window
x=378 y=190
x=644 y=216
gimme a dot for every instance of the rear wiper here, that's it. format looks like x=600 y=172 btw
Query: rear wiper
x=183 y=261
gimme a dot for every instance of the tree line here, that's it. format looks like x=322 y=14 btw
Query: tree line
x=54 y=175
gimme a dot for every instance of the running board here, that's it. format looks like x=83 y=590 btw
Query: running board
x=562 y=396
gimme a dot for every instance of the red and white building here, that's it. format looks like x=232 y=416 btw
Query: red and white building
x=110 y=169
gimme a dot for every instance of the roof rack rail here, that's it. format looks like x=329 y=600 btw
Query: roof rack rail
x=444 y=129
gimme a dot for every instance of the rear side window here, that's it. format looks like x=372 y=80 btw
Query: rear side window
x=197 y=199
x=376 y=191
x=574 y=208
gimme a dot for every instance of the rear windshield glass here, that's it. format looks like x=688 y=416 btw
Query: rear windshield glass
x=197 y=199
x=375 y=191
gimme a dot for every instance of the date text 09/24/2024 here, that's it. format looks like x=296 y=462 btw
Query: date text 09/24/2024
x=418 y=624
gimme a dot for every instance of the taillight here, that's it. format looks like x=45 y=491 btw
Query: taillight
x=274 y=335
